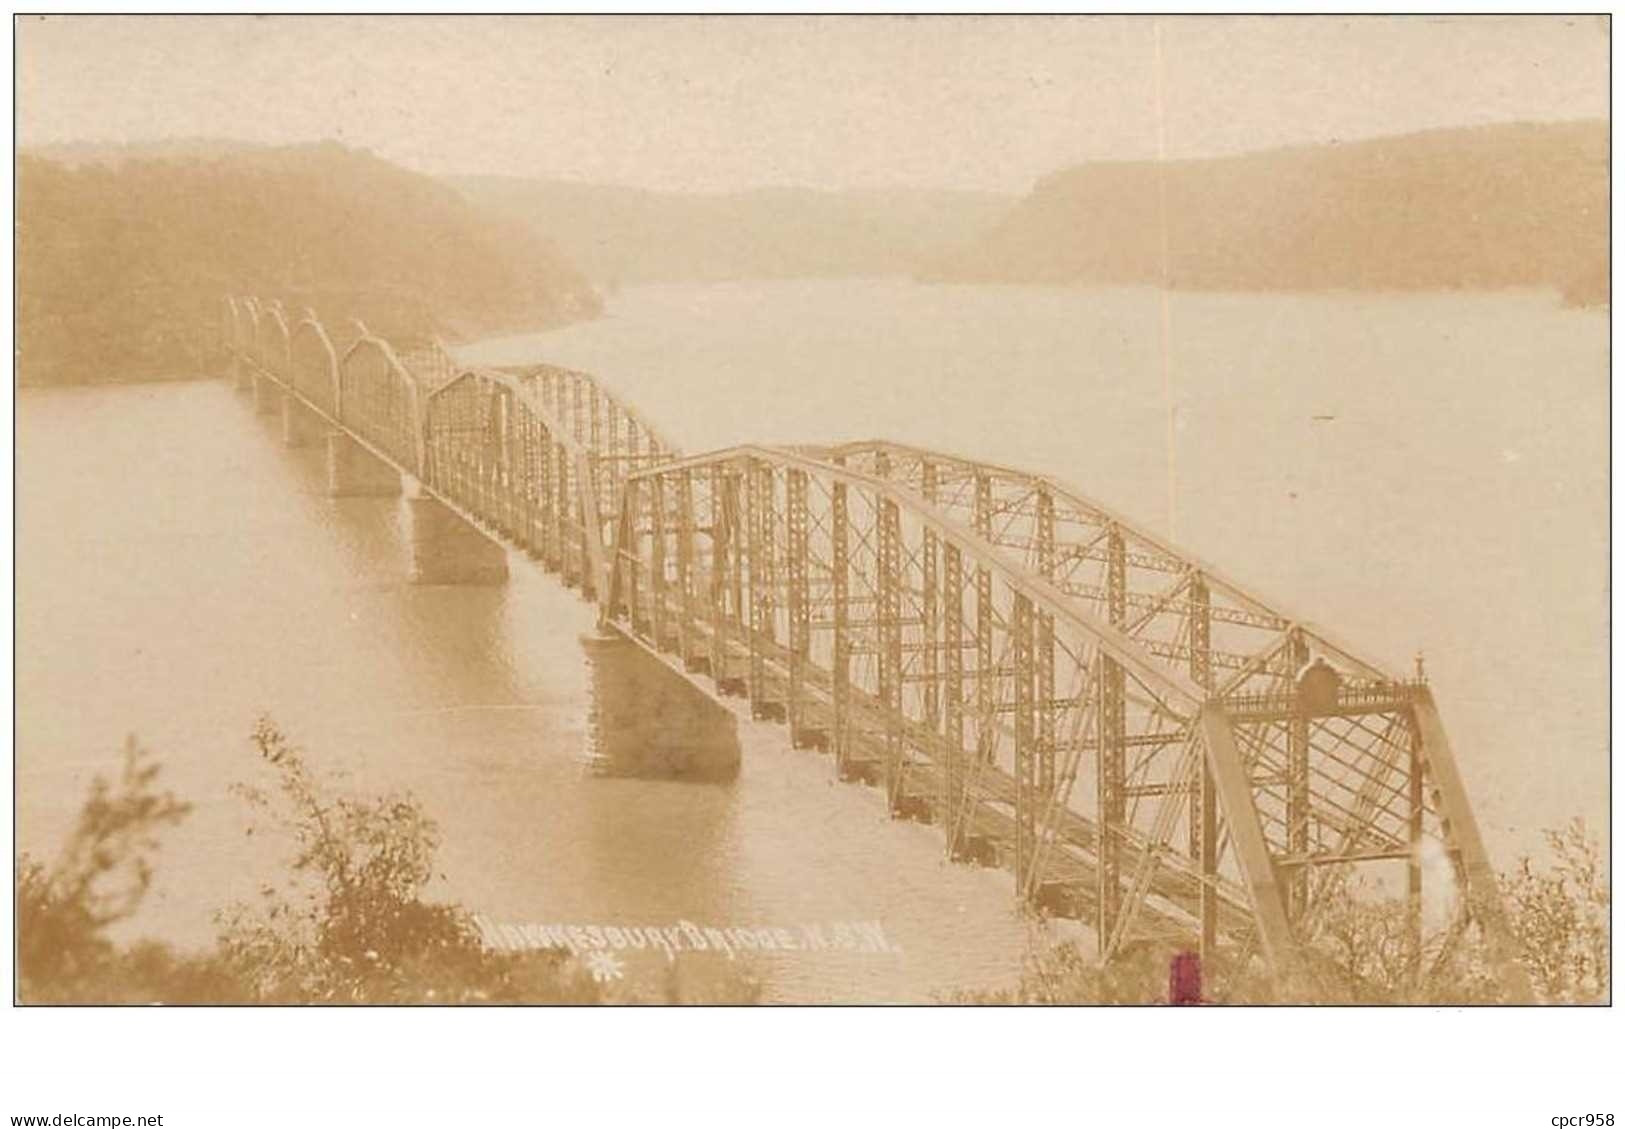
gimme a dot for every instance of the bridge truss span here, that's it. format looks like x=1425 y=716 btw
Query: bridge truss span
x=1144 y=743
x=882 y=629
x=314 y=366
x=1337 y=757
x=494 y=451
x=981 y=638
x=271 y=339
x=382 y=403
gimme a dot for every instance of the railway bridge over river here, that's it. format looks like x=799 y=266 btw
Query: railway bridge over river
x=1142 y=742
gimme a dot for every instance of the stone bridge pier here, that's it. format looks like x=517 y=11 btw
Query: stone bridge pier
x=301 y=427
x=355 y=472
x=267 y=395
x=649 y=720
x=446 y=549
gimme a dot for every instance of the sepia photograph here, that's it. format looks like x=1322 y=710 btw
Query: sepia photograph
x=936 y=510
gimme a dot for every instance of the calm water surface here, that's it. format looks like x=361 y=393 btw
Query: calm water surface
x=179 y=573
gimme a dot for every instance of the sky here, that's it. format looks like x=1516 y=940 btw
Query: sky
x=718 y=103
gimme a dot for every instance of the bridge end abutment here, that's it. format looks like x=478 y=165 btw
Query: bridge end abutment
x=355 y=472
x=446 y=549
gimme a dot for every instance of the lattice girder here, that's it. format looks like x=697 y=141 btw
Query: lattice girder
x=977 y=638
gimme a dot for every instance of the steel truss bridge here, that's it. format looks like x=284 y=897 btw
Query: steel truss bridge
x=1144 y=743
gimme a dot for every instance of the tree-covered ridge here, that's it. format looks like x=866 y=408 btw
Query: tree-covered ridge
x=1493 y=207
x=122 y=266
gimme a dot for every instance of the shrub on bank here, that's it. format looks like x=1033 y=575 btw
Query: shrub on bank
x=1361 y=950
x=347 y=924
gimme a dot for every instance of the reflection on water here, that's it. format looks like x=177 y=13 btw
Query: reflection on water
x=650 y=721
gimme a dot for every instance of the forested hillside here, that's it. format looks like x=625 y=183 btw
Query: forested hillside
x=1491 y=207
x=122 y=265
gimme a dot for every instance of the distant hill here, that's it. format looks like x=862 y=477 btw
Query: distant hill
x=625 y=235
x=78 y=153
x=122 y=264
x=1491 y=207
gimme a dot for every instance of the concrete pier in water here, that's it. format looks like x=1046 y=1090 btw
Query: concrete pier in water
x=354 y=472
x=301 y=427
x=446 y=549
x=268 y=395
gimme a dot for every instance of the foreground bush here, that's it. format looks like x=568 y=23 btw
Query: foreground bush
x=1362 y=951
x=348 y=923
x=99 y=879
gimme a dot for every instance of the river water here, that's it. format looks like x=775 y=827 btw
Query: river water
x=180 y=572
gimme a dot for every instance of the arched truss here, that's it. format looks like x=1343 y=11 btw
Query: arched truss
x=621 y=439
x=1250 y=647
x=498 y=455
x=596 y=416
x=1355 y=780
x=346 y=335
x=899 y=619
x=381 y=403
x=271 y=340
x=427 y=360
x=245 y=330
x=1114 y=720
x=314 y=367
x=228 y=324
